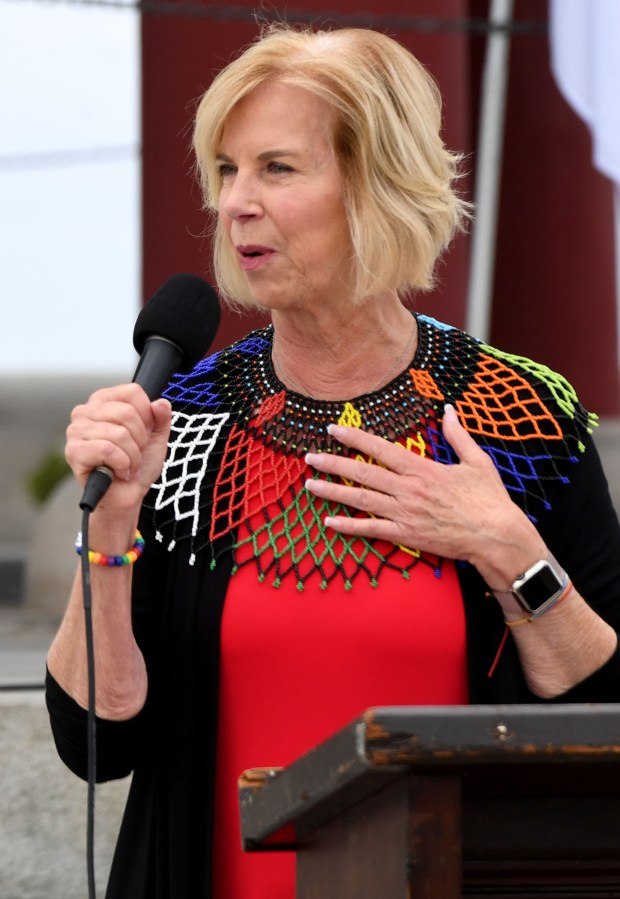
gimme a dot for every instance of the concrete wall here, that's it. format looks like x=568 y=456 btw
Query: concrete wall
x=42 y=804
x=43 y=818
x=34 y=414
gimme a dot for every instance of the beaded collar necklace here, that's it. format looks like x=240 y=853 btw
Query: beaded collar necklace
x=238 y=429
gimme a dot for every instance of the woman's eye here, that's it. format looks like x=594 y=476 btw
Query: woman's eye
x=224 y=169
x=278 y=168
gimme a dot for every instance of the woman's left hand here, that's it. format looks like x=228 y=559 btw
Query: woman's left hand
x=456 y=511
x=463 y=512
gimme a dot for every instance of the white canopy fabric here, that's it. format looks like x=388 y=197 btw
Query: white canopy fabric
x=585 y=60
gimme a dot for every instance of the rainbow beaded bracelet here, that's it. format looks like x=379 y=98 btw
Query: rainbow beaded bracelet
x=129 y=558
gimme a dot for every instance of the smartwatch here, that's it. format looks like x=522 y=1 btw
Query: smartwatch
x=538 y=588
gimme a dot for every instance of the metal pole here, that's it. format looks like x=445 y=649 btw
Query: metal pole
x=488 y=171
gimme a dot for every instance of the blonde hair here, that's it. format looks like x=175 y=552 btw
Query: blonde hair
x=398 y=177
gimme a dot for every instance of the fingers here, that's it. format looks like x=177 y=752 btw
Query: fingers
x=355 y=471
x=85 y=452
x=369 y=501
x=392 y=458
x=408 y=499
x=461 y=442
x=369 y=488
x=466 y=448
x=113 y=429
x=162 y=416
x=390 y=455
x=370 y=528
x=395 y=457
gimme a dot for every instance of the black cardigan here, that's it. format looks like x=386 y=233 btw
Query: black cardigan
x=164 y=845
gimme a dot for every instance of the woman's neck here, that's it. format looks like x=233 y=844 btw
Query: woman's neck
x=336 y=355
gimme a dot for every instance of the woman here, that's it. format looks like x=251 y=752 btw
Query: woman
x=350 y=507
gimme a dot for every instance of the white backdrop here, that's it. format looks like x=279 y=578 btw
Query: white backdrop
x=585 y=58
x=69 y=187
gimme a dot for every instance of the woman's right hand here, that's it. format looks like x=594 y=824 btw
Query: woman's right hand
x=119 y=427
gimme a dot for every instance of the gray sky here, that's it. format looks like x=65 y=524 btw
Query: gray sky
x=69 y=189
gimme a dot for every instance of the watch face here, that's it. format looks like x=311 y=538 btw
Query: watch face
x=539 y=587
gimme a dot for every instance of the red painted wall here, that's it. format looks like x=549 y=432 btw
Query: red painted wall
x=554 y=285
x=555 y=292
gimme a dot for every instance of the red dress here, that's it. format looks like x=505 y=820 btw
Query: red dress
x=297 y=666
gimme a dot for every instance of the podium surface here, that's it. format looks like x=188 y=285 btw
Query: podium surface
x=444 y=802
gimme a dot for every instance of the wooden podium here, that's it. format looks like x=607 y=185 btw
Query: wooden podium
x=444 y=802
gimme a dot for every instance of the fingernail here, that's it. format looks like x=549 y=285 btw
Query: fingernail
x=335 y=430
x=449 y=411
x=311 y=458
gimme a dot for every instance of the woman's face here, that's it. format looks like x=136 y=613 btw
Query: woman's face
x=281 y=201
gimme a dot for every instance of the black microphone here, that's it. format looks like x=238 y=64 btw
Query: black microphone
x=172 y=333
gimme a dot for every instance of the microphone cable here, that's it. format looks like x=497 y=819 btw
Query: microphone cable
x=91 y=723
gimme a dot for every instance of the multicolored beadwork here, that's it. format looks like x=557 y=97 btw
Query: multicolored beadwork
x=236 y=465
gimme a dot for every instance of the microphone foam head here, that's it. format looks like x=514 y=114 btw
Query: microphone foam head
x=186 y=311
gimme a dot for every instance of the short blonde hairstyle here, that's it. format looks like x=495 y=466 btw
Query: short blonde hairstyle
x=398 y=176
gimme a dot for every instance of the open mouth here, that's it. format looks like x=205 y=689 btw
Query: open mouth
x=250 y=252
x=251 y=256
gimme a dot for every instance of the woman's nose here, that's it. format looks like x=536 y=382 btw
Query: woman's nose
x=240 y=197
